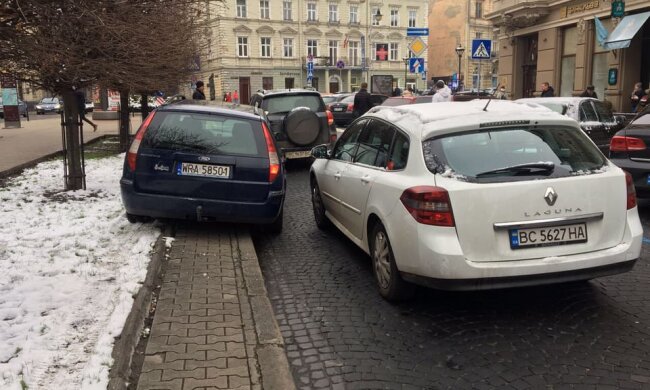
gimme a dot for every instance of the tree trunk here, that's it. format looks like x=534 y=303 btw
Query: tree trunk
x=125 y=122
x=144 y=103
x=74 y=181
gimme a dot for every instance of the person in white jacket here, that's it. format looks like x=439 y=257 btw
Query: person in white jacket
x=443 y=93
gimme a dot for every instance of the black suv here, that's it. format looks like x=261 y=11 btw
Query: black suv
x=299 y=120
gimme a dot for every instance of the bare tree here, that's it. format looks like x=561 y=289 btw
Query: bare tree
x=129 y=45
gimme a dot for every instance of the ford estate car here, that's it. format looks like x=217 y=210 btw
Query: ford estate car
x=476 y=195
x=204 y=162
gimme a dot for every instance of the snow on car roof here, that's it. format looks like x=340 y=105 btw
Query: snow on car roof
x=435 y=117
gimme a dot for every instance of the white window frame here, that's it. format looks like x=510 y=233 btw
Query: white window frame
x=374 y=22
x=241 y=9
x=287 y=47
x=333 y=49
x=394 y=17
x=353 y=53
x=265 y=47
x=333 y=12
x=312 y=11
x=312 y=47
x=413 y=18
x=393 y=51
x=265 y=10
x=287 y=10
x=354 y=13
x=242 y=47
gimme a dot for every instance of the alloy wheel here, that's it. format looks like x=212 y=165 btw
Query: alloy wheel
x=381 y=260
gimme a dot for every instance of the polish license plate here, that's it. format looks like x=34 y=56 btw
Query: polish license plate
x=203 y=170
x=548 y=236
x=298 y=154
x=337 y=109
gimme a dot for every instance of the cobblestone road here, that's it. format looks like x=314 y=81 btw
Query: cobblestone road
x=341 y=335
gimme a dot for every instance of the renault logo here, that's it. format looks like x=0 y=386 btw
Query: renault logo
x=551 y=196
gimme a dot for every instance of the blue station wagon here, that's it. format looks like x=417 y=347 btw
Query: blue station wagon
x=204 y=162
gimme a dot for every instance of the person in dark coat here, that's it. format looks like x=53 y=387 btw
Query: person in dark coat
x=397 y=91
x=637 y=94
x=362 y=101
x=198 y=93
x=590 y=92
x=547 y=90
x=81 y=106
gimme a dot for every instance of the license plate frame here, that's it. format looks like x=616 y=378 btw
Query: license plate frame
x=203 y=170
x=338 y=109
x=536 y=237
x=297 y=154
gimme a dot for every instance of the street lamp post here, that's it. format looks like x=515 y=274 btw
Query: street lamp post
x=376 y=17
x=459 y=50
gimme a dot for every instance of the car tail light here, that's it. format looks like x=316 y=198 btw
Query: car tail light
x=626 y=144
x=274 y=161
x=132 y=154
x=631 y=192
x=429 y=205
x=330 y=118
x=350 y=107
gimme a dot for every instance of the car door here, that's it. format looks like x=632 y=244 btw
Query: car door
x=591 y=125
x=370 y=160
x=343 y=153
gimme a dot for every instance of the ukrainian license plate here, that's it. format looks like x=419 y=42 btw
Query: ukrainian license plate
x=548 y=236
x=298 y=154
x=204 y=170
x=338 y=109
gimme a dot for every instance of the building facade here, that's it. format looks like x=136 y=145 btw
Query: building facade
x=557 y=42
x=265 y=44
x=455 y=23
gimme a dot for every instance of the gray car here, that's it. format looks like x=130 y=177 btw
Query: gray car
x=22 y=107
x=50 y=104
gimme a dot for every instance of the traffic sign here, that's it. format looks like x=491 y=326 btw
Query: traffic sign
x=416 y=65
x=481 y=49
x=417 y=32
x=310 y=73
x=340 y=64
x=417 y=46
x=310 y=66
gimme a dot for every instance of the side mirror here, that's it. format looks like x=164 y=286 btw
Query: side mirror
x=619 y=119
x=320 y=151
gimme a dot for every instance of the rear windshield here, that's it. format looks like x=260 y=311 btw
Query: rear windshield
x=390 y=102
x=50 y=100
x=643 y=120
x=285 y=103
x=347 y=99
x=329 y=99
x=204 y=133
x=513 y=154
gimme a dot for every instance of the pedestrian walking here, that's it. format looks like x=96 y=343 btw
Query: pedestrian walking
x=408 y=92
x=637 y=95
x=547 y=90
x=235 y=97
x=501 y=93
x=362 y=101
x=81 y=106
x=228 y=97
x=198 y=92
x=589 y=92
x=397 y=91
x=443 y=93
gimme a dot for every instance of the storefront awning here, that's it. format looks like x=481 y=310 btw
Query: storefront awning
x=622 y=35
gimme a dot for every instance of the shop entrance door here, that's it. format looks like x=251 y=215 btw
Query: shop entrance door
x=244 y=90
x=529 y=68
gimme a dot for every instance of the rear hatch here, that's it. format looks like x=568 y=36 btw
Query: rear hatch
x=636 y=145
x=203 y=156
x=277 y=106
x=505 y=184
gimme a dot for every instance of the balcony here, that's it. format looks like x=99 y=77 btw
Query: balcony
x=515 y=14
x=325 y=63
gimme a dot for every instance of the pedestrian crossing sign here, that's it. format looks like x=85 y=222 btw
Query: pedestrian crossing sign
x=481 y=49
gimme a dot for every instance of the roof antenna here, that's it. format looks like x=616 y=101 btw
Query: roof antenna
x=488 y=103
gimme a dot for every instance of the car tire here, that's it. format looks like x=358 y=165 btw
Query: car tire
x=302 y=126
x=391 y=285
x=275 y=227
x=322 y=222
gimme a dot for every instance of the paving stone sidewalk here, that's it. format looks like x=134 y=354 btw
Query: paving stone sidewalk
x=214 y=326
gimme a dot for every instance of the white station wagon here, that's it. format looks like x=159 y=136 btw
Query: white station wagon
x=464 y=196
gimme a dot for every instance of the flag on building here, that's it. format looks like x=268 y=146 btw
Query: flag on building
x=601 y=33
x=345 y=41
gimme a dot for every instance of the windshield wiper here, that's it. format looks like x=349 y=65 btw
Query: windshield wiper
x=528 y=168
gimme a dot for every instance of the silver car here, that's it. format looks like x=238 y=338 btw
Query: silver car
x=22 y=107
x=51 y=104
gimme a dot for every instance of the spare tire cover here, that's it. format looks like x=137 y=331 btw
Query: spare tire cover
x=302 y=126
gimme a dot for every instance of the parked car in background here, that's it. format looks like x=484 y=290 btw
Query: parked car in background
x=461 y=196
x=22 y=108
x=299 y=119
x=629 y=149
x=343 y=110
x=594 y=117
x=50 y=104
x=403 y=100
x=333 y=98
x=203 y=161
x=90 y=106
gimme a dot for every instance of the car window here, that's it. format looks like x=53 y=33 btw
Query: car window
x=399 y=153
x=587 y=112
x=374 y=144
x=604 y=113
x=392 y=102
x=469 y=154
x=346 y=146
x=285 y=103
x=329 y=99
x=423 y=99
x=204 y=133
x=50 y=101
x=348 y=99
x=642 y=120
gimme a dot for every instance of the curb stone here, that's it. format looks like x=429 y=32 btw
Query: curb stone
x=126 y=342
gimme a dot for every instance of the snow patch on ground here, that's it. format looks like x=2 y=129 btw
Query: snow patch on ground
x=69 y=266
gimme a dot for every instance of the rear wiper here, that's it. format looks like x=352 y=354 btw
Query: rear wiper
x=544 y=166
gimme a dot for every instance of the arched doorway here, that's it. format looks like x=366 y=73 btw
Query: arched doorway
x=335 y=84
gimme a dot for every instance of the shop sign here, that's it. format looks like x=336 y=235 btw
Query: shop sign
x=612 y=76
x=580 y=7
x=618 y=9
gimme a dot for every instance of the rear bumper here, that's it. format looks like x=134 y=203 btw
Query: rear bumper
x=174 y=207
x=343 y=117
x=639 y=172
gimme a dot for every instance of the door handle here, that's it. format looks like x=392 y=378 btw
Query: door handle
x=366 y=179
x=337 y=175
